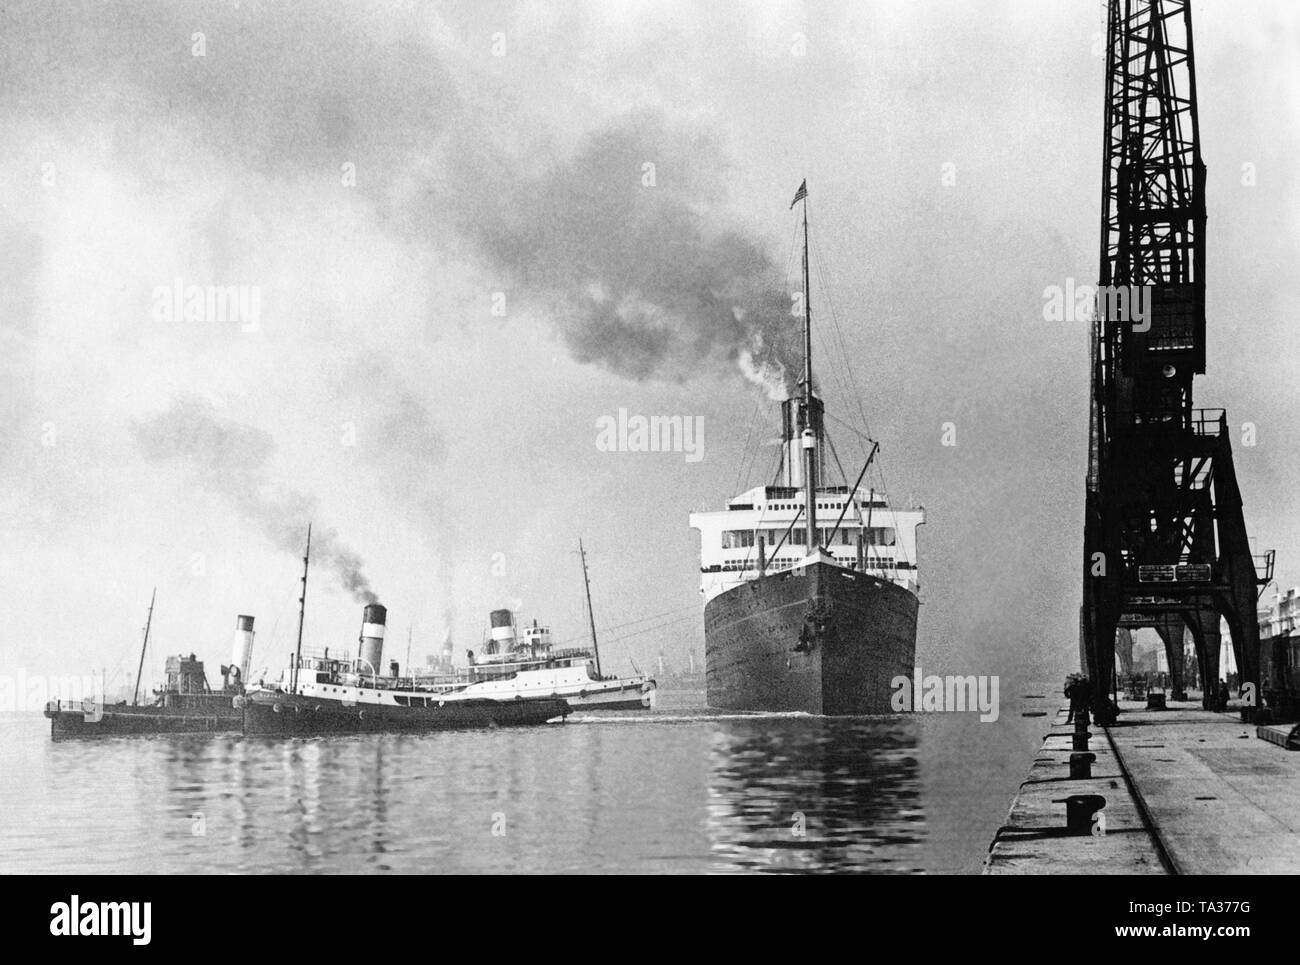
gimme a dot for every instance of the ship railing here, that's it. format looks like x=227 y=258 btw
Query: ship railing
x=71 y=705
x=570 y=652
x=472 y=674
x=318 y=659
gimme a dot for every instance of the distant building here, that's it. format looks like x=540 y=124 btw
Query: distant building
x=1281 y=618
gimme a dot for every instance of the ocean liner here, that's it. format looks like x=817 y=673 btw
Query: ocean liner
x=810 y=589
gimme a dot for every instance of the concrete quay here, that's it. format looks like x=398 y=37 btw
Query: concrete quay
x=1187 y=791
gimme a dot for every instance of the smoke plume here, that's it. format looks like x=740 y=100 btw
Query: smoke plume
x=621 y=248
x=234 y=461
x=402 y=436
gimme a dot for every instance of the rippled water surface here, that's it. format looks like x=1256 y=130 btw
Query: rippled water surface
x=681 y=789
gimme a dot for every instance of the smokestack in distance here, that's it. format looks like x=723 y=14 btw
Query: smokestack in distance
x=241 y=651
x=373 y=620
x=502 y=634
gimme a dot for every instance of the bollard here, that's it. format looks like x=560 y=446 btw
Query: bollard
x=1081 y=719
x=1081 y=740
x=1081 y=765
x=1156 y=701
x=1079 y=809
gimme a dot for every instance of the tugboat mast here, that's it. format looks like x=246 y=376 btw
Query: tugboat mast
x=135 y=696
x=302 y=610
x=591 y=617
x=808 y=438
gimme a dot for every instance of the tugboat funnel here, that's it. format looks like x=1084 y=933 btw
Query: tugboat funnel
x=241 y=652
x=373 y=620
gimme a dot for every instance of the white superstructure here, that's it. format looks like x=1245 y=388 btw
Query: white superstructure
x=729 y=539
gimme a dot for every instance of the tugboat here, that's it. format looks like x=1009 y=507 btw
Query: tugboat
x=319 y=694
x=509 y=666
x=184 y=705
x=825 y=621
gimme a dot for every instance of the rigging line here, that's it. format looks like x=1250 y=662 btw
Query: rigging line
x=659 y=626
x=776 y=463
x=830 y=307
x=827 y=349
x=893 y=514
x=836 y=456
x=884 y=487
x=851 y=428
x=745 y=457
x=856 y=394
x=694 y=605
x=636 y=632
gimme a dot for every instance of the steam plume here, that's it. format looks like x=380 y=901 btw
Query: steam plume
x=234 y=461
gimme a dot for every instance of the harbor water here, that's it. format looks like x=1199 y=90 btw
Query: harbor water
x=678 y=790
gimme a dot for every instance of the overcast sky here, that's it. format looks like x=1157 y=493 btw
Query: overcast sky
x=385 y=176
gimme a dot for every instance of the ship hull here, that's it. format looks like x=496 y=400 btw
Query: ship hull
x=284 y=715
x=134 y=721
x=818 y=639
x=625 y=694
x=629 y=696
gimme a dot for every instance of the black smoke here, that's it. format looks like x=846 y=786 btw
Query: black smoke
x=632 y=264
x=233 y=461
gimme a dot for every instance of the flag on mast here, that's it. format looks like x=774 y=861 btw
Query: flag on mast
x=801 y=193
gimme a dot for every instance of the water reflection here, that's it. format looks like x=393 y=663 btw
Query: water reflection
x=678 y=791
x=815 y=794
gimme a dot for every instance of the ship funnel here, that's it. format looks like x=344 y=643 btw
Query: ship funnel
x=503 y=631
x=794 y=430
x=241 y=652
x=373 y=619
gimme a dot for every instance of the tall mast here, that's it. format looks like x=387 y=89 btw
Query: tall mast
x=143 y=646
x=591 y=617
x=808 y=439
x=302 y=611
